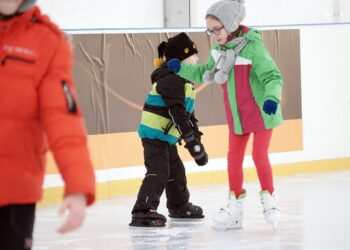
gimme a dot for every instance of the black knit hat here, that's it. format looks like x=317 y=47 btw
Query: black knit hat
x=179 y=46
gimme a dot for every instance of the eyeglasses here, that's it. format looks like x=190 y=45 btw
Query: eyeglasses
x=215 y=31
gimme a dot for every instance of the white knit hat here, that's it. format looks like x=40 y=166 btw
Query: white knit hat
x=229 y=12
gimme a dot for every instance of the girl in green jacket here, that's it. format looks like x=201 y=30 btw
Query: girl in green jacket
x=252 y=86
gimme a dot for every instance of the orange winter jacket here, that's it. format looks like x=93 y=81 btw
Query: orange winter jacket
x=38 y=105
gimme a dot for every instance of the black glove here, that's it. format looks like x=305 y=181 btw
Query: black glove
x=196 y=149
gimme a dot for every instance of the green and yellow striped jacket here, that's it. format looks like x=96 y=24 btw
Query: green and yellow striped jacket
x=171 y=100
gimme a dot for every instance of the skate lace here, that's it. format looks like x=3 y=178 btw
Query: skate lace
x=267 y=210
x=269 y=205
x=229 y=208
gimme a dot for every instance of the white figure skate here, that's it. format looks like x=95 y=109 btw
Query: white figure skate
x=271 y=212
x=231 y=216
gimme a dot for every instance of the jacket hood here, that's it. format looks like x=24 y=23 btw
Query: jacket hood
x=252 y=34
x=160 y=73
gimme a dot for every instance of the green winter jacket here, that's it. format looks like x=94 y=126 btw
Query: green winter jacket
x=255 y=79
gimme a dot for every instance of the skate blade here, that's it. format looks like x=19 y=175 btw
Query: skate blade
x=150 y=223
x=223 y=228
x=176 y=217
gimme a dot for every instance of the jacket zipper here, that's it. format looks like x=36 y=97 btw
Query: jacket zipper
x=3 y=62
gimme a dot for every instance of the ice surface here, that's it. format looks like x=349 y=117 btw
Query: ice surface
x=315 y=215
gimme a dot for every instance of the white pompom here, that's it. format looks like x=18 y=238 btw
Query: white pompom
x=220 y=77
x=208 y=76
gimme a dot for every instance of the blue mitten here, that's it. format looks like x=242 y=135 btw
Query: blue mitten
x=174 y=65
x=270 y=106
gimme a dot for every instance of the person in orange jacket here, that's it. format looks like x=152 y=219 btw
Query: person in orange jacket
x=38 y=109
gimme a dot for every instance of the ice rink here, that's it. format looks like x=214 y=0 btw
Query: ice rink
x=315 y=215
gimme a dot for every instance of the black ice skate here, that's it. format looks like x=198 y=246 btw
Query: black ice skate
x=191 y=212
x=149 y=218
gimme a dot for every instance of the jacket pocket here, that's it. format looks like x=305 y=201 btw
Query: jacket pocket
x=19 y=65
x=35 y=145
x=23 y=140
x=12 y=134
x=17 y=58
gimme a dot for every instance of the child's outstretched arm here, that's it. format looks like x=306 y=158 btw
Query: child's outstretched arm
x=193 y=72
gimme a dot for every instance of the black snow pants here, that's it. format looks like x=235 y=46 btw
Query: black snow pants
x=165 y=170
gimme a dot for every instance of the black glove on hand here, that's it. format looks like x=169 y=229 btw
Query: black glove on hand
x=196 y=149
